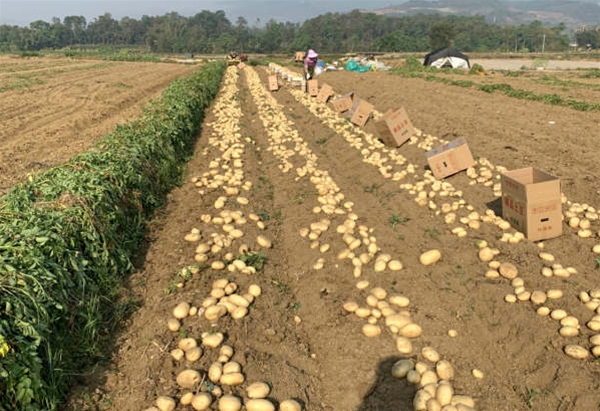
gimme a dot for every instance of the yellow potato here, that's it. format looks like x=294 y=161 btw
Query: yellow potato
x=229 y=403
x=165 y=403
x=258 y=390
x=430 y=257
x=259 y=404
x=181 y=310
x=188 y=378
x=290 y=405
x=201 y=401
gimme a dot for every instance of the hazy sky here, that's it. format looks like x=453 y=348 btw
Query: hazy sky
x=23 y=12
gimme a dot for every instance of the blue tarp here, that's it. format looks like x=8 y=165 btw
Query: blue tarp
x=353 y=66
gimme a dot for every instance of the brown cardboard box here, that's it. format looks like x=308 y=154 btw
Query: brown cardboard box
x=531 y=203
x=343 y=103
x=324 y=94
x=394 y=128
x=360 y=112
x=450 y=158
x=273 y=83
x=312 y=87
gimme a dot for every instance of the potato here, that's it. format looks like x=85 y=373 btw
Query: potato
x=188 y=378
x=229 y=403
x=259 y=404
x=576 y=351
x=371 y=330
x=411 y=330
x=428 y=377
x=177 y=354
x=508 y=270
x=187 y=344
x=546 y=257
x=350 y=306
x=401 y=368
x=554 y=294
x=397 y=320
x=290 y=405
x=215 y=312
x=444 y=370
x=399 y=300
x=420 y=400
x=477 y=373
x=201 y=401
x=193 y=354
x=595 y=339
x=444 y=393
x=186 y=399
x=233 y=378
x=165 y=403
x=258 y=390
x=463 y=400
x=231 y=367
x=404 y=346
x=173 y=324
x=212 y=340
x=430 y=354
x=538 y=297
x=263 y=241
x=433 y=405
x=181 y=310
x=430 y=257
x=486 y=254
x=215 y=371
x=568 y=331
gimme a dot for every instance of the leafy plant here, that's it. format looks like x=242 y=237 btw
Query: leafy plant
x=432 y=232
x=396 y=219
x=251 y=259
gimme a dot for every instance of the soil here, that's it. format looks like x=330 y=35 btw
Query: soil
x=297 y=336
x=52 y=109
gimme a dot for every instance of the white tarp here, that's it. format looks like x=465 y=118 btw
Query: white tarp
x=454 y=62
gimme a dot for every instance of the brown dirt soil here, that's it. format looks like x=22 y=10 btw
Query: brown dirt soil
x=297 y=337
x=52 y=109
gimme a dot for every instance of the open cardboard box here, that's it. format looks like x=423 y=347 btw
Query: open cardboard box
x=531 y=203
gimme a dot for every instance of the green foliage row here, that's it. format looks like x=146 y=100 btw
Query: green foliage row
x=414 y=69
x=68 y=236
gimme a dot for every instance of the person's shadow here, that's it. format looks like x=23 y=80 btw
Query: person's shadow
x=387 y=392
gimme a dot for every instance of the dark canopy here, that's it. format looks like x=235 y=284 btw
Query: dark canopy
x=446 y=57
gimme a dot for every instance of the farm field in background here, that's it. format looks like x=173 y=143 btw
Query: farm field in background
x=294 y=184
x=53 y=108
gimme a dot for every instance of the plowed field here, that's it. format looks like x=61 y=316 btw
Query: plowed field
x=327 y=215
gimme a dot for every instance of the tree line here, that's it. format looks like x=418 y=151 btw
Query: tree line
x=211 y=32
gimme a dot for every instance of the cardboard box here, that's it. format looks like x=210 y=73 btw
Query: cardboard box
x=312 y=87
x=360 y=112
x=450 y=158
x=343 y=103
x=273 y=83
x=394 y=128
x=324 y=94
x=531 y=203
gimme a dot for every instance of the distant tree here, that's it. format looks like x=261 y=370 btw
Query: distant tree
x=76 y=26
x=588 y=37
x=442 y=34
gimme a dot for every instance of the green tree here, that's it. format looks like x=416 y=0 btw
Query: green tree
x=442 y=34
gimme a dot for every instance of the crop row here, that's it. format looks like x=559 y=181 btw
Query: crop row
x=68 y=236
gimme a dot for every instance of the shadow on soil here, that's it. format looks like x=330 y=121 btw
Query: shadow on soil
x=388 y=393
